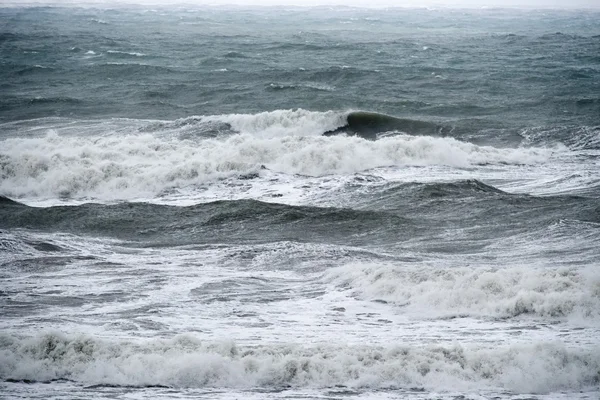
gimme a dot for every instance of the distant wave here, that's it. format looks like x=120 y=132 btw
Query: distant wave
x=23 y=69
x=12 y=102
x=234 y=54
x=130 y=68
x=126 y=53
x=52 y=100
x=559 y=36
x=99 y=21
x=289 y=86
x=187 y=362
x=334 y=74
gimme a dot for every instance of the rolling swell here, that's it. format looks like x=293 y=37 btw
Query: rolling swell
x=473 y=199
x=221 y=221
x=387 y=217
x=370 y=125
x=472 y=217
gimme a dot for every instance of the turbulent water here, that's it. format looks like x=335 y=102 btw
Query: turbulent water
x=299 y=203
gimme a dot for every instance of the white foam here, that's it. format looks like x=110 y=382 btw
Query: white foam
x=493 y=292
x=188 y=362
x=280 y=123
x=122 y=166
x=132 y=53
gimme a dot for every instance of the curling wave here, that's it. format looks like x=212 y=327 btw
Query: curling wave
x=370 y=125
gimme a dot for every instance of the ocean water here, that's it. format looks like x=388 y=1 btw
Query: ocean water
x=299 y=203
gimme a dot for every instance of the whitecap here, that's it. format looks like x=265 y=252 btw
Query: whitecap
x=188 y=362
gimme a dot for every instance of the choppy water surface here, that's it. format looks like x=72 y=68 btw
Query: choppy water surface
x=299 y=203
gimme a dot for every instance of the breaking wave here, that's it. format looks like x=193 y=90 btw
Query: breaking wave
x=185 y=361
x=281 y=123
x=125 y=166
x=484 y=292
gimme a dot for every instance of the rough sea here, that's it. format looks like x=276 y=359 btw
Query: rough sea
x=299 y=203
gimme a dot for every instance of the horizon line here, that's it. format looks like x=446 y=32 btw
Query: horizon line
x=202 y=4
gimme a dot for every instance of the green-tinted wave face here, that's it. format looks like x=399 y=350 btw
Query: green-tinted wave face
x=385 y=217
x=370 y=125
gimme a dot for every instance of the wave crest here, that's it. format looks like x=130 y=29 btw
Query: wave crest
x=188 y=362
x=131 y=166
